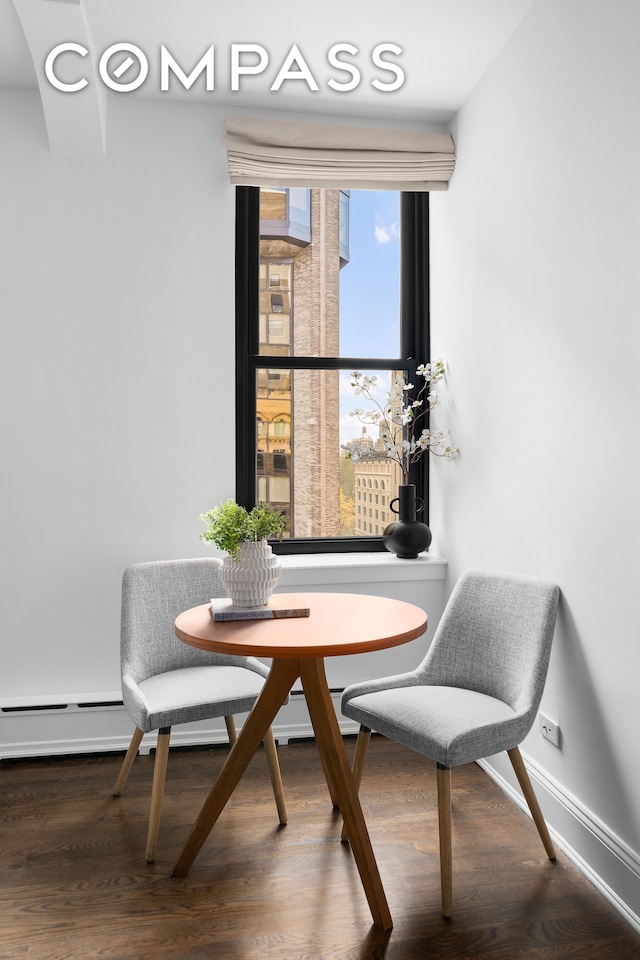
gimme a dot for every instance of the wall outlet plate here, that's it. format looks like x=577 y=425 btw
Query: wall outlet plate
x=549 y=730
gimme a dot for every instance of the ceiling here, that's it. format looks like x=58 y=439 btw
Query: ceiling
x=447 y=45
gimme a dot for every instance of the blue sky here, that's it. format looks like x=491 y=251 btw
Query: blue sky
x=369 y=292
x=370 y=282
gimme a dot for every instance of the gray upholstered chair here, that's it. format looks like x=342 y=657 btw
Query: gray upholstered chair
x=475 y=694
x=166 y=682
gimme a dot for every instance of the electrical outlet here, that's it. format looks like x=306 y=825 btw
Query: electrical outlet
x=549 y=730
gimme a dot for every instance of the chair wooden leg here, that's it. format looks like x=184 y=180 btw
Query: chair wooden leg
x=525 y=784
x=444 y=821
x=357 y=768
x=157 y=791
x=127 y=763
x=274 y=772
x=231 y=729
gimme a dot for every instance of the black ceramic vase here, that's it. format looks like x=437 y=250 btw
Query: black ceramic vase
x=407 y=536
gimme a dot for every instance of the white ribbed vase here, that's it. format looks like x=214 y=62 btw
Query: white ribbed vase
x=251 y=579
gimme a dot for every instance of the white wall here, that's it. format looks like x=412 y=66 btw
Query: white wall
x=118 y=382
x=116 y=284
x=535 y=300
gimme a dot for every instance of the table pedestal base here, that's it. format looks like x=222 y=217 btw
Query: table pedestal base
x=342 y=790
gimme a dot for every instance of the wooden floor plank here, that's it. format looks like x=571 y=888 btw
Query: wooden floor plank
x=74 y=884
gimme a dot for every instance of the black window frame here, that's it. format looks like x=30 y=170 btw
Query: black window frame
x=414 y=349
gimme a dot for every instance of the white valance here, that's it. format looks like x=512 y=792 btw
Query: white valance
x=281 y=153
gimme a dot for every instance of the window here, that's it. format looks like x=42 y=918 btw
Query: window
x=315 y=301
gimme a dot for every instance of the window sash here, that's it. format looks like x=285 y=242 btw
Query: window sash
x=414 y=348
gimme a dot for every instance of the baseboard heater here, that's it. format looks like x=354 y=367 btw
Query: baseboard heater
x=87 y=705
x=45 y=725
x=65 y=724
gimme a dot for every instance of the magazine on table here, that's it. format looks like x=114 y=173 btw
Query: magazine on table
x=277 y=608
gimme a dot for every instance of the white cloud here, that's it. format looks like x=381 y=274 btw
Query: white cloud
x=384 y=233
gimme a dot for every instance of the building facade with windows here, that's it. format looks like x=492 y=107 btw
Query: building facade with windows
x=303 y=245
x=376 y=481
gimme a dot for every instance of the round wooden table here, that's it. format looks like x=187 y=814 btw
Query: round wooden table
x=338 y=624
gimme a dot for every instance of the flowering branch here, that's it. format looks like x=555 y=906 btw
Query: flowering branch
x=400 y=420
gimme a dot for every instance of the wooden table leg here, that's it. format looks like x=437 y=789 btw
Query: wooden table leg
x=278 y=684
x=328 y=768
x=340 y=780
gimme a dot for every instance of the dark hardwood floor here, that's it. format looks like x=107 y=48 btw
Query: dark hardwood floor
x=74 y=884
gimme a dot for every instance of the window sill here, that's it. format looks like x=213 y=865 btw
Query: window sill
x=324 y=568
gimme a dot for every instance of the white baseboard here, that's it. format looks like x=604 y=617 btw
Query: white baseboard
x=607 y=862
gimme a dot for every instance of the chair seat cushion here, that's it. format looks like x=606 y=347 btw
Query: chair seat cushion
x=449 y=724
x=194 y=693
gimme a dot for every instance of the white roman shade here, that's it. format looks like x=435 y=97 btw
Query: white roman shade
x=280 y=153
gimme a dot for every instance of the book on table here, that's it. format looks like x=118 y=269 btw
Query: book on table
x=277 y=608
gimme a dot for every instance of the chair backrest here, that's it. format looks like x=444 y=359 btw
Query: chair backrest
x=495 y=637
x=153 y=594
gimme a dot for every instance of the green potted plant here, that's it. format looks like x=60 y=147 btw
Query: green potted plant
x=250 y=571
